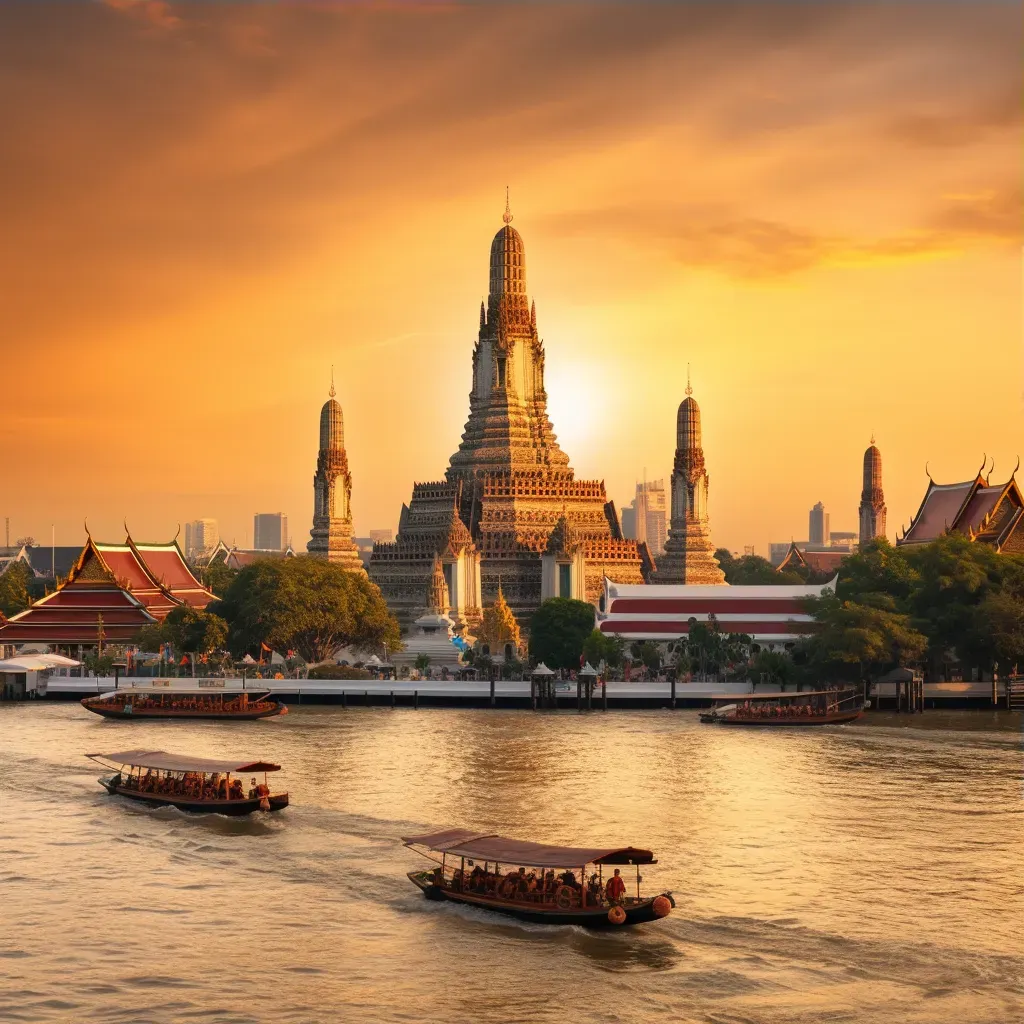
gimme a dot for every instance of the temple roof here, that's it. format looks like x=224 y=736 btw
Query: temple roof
x=816 y=561
x=976 y=508
x=128 y=585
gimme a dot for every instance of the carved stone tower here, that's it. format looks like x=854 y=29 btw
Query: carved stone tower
x=689 y=552
x=331 y=536
x=872 y=501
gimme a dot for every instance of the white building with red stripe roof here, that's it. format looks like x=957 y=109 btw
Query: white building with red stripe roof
x=773 y=615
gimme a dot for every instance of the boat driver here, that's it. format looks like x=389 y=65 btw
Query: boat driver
x=615 y=888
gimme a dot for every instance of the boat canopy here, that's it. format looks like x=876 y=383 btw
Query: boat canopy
x=778 y=695
x=164 y=761
x=184 y=691
x=487 y=846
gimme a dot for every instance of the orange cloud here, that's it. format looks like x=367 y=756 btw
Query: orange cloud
x=154 y=12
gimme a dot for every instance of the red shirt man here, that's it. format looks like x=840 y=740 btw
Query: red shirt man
x=615 y=888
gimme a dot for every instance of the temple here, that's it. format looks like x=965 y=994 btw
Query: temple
x=510 y=499
x=111 y=591
x=872 y=500
x=331 y=536
x=689 y=552
x=984 y=512
x=773 y=616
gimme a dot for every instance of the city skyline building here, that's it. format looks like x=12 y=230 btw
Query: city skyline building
x=818 y=526
x=689 y=551
x=269 y=531
x=872 y=511
x=331 y=535
x=201 y=537
x=509 y=511
x=645 y=518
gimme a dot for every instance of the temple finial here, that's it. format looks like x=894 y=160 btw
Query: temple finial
x=689 y=390
x=507 y=217
x=872 y=437
x=332 y=392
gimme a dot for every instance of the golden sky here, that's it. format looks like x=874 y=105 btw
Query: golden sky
x=205 y=206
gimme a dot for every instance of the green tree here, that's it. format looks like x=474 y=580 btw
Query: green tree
x=648 y=653
x=422 y=662
x=14 y=583
x=306 y=605
x=558 y=630
x=773 y=668
x=752 y=570
x=192 y=631
x=856 y=641
x=218 y=577
x=607 y=647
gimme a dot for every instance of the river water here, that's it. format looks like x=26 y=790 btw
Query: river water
x=840 y=874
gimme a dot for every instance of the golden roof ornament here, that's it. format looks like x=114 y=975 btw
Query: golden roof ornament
x=507 y=216
x=332 y=392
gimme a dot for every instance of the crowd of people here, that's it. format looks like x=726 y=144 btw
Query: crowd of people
x=769 y=709
x=184 y=702
x=193 y=785
x=536 y=886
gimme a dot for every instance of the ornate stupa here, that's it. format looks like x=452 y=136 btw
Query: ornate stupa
x=872 y=500
x=499 y=631
x=507 y=486
x=331 y=536
x=689 y=552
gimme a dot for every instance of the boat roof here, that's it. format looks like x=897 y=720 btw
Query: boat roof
x=164 y=761
x=487 y=846
x=778 y=695
x=183 y=691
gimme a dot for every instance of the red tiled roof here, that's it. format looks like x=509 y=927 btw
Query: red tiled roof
x=117 y=582
x=939 y=510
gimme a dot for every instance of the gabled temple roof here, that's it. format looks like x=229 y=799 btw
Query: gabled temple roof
x=816 y=561
x=124 y=585
x=982 y=511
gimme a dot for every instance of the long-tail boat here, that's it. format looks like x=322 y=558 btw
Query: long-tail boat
x=470 y=871
x=199 y=784
x=817 y=707
x=185 y=702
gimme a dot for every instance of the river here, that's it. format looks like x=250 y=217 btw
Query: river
x=838 y=874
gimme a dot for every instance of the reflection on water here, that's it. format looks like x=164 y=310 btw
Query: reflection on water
x=868 y=874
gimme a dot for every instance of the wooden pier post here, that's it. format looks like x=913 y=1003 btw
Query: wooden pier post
x=416 y=700
x=392 y=698
x=492 y=687
x=590 y=693
x=579 y=694
x=533 y=693
x=344 y=698
x=366 y=698
x=673 y=691
x=604 y=693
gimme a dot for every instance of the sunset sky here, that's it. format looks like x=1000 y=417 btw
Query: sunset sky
x=205 y=206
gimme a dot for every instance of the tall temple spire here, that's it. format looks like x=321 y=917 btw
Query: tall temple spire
x=332 y=392
x=689 y=552
x=331 y=536
x=507 y=216
x=872 y=511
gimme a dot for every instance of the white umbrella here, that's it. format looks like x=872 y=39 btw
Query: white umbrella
x=373 y=660
x=588 y=670
x=59 y=661
x=248 y=660
x=542 y=670
x=28 y=663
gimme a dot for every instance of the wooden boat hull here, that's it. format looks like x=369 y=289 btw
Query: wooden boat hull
x=232 y=808
x=175 y=713
x=836 y=718
x=637 y=913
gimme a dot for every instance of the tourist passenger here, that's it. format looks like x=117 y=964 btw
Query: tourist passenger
x=615 y=889
x=252 y=789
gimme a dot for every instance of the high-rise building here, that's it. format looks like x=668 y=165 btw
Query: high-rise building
x=818 y=531
x=270 y=531
x=510 y=511
x=382 y=536
x=331 y=536
x=872 y=501
x=645 y=518
x=689 y=552
x=201 y=537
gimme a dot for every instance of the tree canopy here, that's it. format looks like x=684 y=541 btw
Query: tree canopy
x=14 y=583
x=558 y=630
x=188 y=630
x=751 y=570
x=606 y=647
x=307 y=605
x=952 y=599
